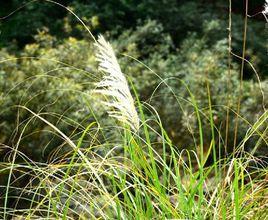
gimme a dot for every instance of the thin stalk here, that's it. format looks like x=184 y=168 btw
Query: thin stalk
x=236 y=191
x=241 y=75
x=212 y=129
x=229 y=77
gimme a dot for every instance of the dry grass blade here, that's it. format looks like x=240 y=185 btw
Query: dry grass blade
x=114 y=85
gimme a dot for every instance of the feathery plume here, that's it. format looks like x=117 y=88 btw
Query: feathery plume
x=265 y=10
x=114 y=85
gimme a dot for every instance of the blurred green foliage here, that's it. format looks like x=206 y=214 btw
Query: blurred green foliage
x=48 y=65
x=177 y=18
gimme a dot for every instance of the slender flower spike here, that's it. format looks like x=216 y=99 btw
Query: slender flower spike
x=265 y=10
x=115 y=86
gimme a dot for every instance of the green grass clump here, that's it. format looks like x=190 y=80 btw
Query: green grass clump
x=140 y=183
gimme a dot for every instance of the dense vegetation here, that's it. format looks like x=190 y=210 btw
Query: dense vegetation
x=187 y=86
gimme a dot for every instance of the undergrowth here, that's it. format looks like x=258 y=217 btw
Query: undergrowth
x=141 y=175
